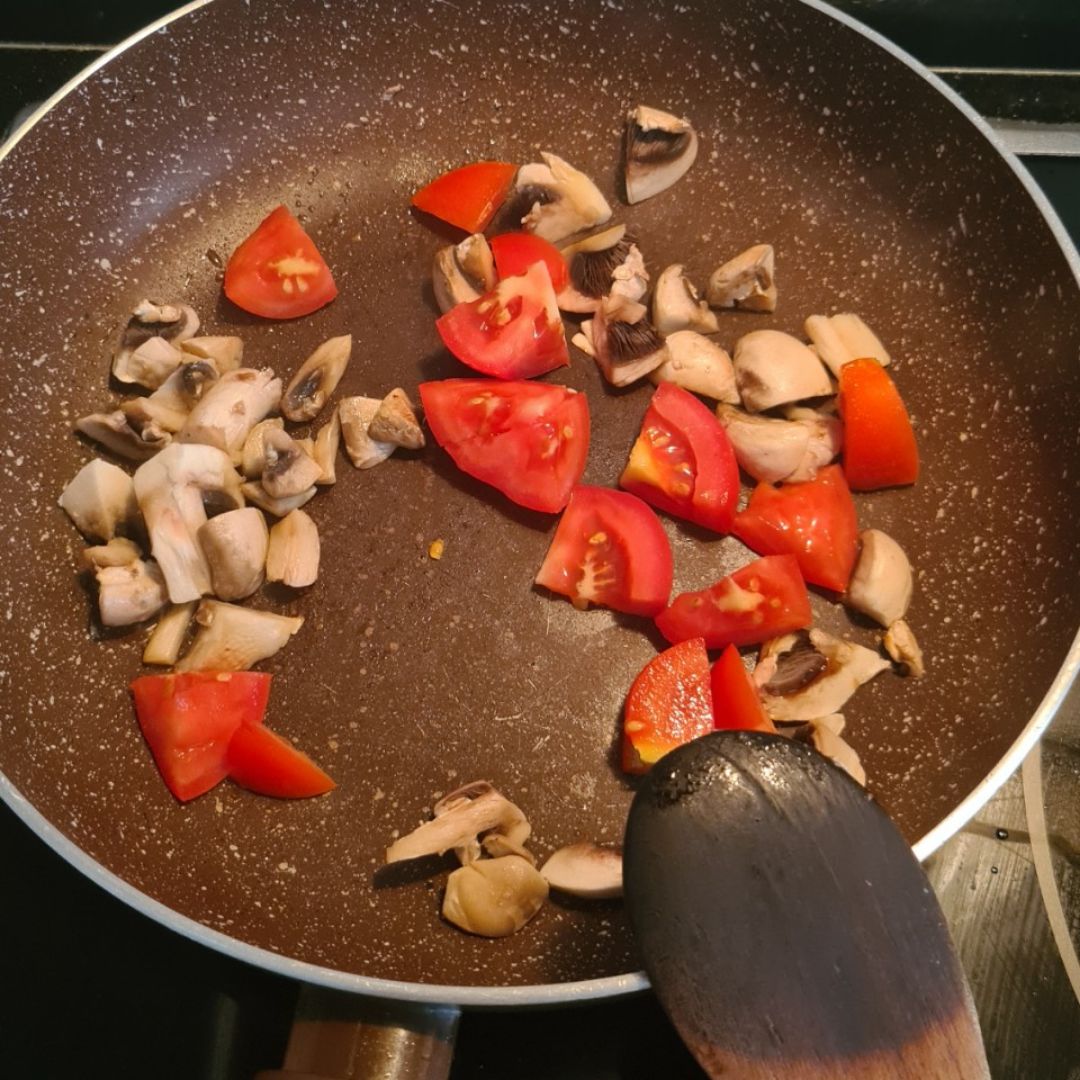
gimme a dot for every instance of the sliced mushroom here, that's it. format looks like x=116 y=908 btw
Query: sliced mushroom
x=130 y=593
x=170 y=489
x=115 y=433
x=463 y=272
x=149 y=346
x=881 y=584
x=774 y=450
x=605 y=263
x=495 y=845
x=625 y=345
x=225 y=351
x=557 y=200
x=748 y=281
x=395 y=422
x=588 y=870
x=808 y=689
x=901 y=645
x=494 y=897
x=100 y=500
x=235 y=546
x=461 y=819
x=167 y=638
x=233 y=638
x=773 y=368
x=839 y=339
x=288 y=471
x=169 y=405
x=293 y=556
x=253 y=455
x=255 y=493
x=356 y=415
x=310 y=388
x=824 y=737
x=327 y=441
x=676 y=305
x=699 y=365
x=660 y=148
x=231 y=408
x=117 y=552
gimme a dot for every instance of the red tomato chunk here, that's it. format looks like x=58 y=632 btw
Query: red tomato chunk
x=469 y=196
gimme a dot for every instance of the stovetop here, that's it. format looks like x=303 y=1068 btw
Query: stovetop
x=93 y=988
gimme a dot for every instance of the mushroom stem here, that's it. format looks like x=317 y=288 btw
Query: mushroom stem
x=235 y=545
x=100 y=500
x=231 y=408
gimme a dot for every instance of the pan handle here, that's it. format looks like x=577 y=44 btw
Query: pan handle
x=338 y=1036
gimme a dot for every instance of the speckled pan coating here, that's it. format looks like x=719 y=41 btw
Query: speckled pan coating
x=411 y=675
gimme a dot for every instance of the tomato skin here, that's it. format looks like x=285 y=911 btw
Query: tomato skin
x=277 y=272
x=736 y=703
x=609 y=549
x=189 y=718
x=814 y=521
x=669 y=704
x=879 y=443
x=515 y=252
x=762 y=600
x=514 y=331
x=528 y=440
x=468 y=196
x=683 y=462
x=268 y=764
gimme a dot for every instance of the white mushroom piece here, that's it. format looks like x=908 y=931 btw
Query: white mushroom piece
x=149 y=351
x=625 y=345
x=775 y=450
x=116 y=433
x=235 y=545
x=130 y=593
x=224 y=351
x=900 y=644
x=231 y=408
x=117 y=552
x=881 y=583
x=748 y=281
x=773 y=368
x=463 y=818
x=170 y=488
x=395 y=422
x=100 y=500
x=288 y=471
x=557 y=200
x=660 y=148
x=167 y=638
x=699 y=365
x=586 y=870
x=327 y=441
x=310 y=388
x=293 y=554
x=255 y=493
x=677 y=306
x=169 y=405
x=356 y=415
x=253 y=454
x=494 y=897
x=233 y=638
x=463 y=272
x=839 y=339
x=808 y=675
x=606 y=263
x=824 y=736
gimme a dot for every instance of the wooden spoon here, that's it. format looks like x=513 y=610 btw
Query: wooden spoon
x=787 y=928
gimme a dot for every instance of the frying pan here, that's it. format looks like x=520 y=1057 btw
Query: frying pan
x=882 y=194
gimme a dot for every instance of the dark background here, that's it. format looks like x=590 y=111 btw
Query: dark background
x=94 y=989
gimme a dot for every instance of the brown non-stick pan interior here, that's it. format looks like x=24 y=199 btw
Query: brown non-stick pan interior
x=410 y=675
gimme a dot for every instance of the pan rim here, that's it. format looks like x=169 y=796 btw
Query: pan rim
x=587 y=989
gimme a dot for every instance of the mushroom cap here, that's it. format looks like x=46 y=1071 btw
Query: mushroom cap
x=494 y=897
x=773 y=368
x=660 y=148
x=676 y=305
x=881 y=583
x=590 y=871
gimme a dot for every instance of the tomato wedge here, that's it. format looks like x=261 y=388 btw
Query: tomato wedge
x=528 y=440
x=736 y=704
x=879 y=443
x=515 y=252
x=609 y=549
x=469 y=196
x=762 y=600
x=277 y=272
x=513 y=332
x=683 y=462
x=814 y=521
x=669 y=704
x=189 y=719
x=266 y=763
